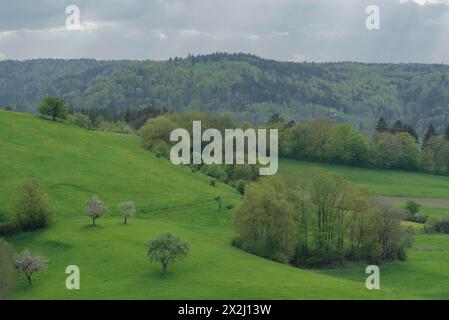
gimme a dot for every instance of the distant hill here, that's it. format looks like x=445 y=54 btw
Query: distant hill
x=245 y=85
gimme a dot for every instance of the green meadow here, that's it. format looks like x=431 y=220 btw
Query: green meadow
x=73 y=164
x=383 y=182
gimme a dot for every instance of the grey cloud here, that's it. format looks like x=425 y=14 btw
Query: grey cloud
x=312 y=30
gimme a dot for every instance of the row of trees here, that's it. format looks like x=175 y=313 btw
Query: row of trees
x=320 y=140
x=322 y=220
x=396 y=148
x=155 y=136
x=95 y=209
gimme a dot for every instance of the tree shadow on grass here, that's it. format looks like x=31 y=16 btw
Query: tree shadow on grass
x=92 y=227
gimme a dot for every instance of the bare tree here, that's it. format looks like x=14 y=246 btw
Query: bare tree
x=128 y=210
x=30 y=262
x=95 y=209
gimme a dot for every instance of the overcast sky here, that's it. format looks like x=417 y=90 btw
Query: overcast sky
x=297 y=30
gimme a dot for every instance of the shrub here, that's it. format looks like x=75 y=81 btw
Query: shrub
x=413 y=213
x=80 y=120
x=30 y=207
x=417 y=217
x=439 y=226
x=240 y=186
x=212 y=182
x=412 y=207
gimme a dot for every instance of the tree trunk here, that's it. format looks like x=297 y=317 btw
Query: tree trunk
x=126 y=220
x=93 y=221
x=164 y=267
x=29 y=279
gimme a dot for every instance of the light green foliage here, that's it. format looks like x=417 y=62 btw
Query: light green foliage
x=265 y=221
x=436 y=155
x=79 y=120
x=31 y=207
x=167 y=248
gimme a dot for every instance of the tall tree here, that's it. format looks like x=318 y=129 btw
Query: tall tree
x=381 y=126
x=431 y=132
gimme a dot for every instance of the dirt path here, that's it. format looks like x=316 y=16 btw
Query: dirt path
x=426 y=202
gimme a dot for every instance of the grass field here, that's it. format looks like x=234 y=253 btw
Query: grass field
x=73 y=164
x=383 y=182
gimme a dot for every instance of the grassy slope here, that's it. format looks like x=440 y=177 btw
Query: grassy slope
x=72 y=164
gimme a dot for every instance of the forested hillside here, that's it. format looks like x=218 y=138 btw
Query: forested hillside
x=250 y=87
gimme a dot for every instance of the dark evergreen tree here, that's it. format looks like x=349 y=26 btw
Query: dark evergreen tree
x=381 y=126
x=398 y=127
x=276 y=118
x=290 y=124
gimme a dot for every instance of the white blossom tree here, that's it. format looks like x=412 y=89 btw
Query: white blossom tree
x=30 y=262
x=95 y=209
x=128 y=210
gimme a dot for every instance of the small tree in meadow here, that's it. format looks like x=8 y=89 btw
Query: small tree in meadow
x=54 y=107
x=95 y=209
x=167 y=248
x=29 y=263
x=128 y=210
